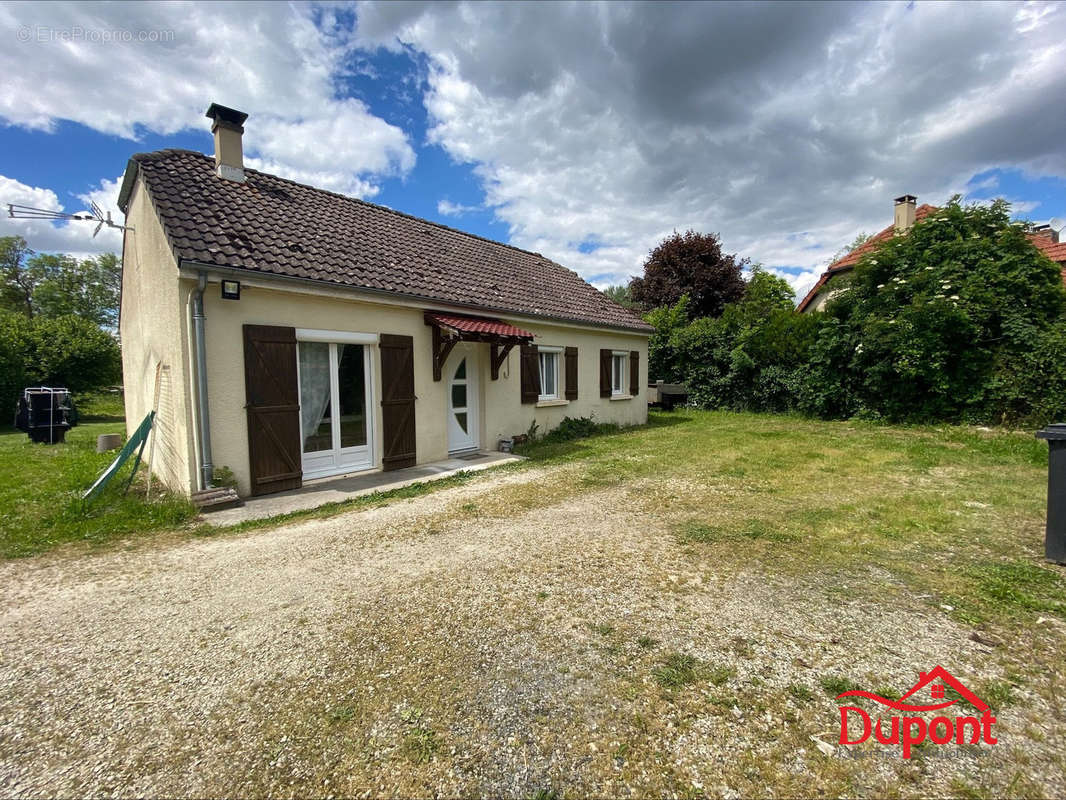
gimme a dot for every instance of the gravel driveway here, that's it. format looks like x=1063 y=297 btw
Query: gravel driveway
x=469 y=641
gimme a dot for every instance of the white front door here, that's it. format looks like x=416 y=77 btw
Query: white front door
x=463 y=422
x=335 y=402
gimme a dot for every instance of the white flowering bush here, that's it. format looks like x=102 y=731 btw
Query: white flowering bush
x=945 y=323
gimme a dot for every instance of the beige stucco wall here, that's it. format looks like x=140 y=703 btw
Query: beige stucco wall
x=153 y=332
x=819 y=301
x=830 y=289
x=502 y=413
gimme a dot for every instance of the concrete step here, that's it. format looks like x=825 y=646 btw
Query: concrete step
x=216 y=499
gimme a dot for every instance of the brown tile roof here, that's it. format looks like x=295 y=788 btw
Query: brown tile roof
x=1055 y=251
x=274 y=226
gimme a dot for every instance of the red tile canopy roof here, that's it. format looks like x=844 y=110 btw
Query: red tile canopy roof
x=271 y=226
x=477 y=325
x=1056 y=251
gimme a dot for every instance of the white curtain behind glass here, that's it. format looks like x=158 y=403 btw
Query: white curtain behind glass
x=314 y=385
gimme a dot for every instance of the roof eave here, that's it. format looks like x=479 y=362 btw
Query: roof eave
x=129 y=178
x=642 y=329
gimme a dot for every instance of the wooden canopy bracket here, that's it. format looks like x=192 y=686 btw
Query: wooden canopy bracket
x=500 y=343
x=499 y=353
x=441 y=348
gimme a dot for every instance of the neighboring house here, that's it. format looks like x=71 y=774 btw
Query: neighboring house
x=303 y=334
x=907 y=212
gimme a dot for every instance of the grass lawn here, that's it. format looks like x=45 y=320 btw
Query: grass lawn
x=956 y=515
x=41 y=486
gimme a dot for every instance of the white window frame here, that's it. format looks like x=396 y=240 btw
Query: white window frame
x=334 y=461
x=339 y=337
x=619 y=373
x=553 y=354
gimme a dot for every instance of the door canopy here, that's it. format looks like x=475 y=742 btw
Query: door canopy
x=448 y=329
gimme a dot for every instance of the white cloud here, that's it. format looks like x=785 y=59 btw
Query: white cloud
x=450 y=209
x=786 y=128
x=279 y=62
x=74 y=237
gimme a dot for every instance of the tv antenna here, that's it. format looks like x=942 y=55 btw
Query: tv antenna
x=97 y=215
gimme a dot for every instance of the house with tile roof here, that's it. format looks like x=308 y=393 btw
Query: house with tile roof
x=290 y=333
x=907 y=213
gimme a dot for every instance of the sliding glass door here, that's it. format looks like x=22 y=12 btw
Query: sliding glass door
x=335 y=401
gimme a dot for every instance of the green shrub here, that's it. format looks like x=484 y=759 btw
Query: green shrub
x=63 y=351
x=1040 y=383
x=748 y=359
x=957 y=321
x=223 y=478
x=663 y=361
x=578 y=428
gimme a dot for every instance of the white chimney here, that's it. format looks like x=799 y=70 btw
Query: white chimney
x=906 y=207
x=228 y=127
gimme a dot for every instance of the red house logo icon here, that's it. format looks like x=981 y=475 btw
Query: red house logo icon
x=911 y=730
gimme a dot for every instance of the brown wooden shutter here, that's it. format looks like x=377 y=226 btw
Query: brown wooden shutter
x=397 y=401
x=605 y=373
x=529 y=363
x=272 y=396
x=571 y=373
x=634 y=372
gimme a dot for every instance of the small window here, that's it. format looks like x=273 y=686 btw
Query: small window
x=549 y=373
x=618 y=373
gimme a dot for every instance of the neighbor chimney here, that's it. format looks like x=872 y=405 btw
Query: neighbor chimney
x=1047 y=231
x=228 y=129
x=905 y=210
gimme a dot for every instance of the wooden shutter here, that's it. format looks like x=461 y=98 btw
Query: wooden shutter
x=530 y=373
x=605 y=373
x=634 y=372
x=571 y=373
x=397 y=401
x=273 y=404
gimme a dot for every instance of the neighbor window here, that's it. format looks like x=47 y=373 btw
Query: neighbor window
x=549 y=372
x=618 y=372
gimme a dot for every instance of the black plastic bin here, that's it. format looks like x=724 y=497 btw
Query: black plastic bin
x=1055 y=538
x=46 y=414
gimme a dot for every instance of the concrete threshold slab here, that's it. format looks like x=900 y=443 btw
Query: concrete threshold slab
x=339 y=488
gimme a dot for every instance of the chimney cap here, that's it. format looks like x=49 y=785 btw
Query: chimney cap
x=906 y=198
x=224 y=114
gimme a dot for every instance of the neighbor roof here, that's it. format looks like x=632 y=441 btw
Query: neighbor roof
x=850 y=259
x=273 y=226
x=1056 y=251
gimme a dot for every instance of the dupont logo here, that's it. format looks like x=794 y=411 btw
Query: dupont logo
x=856 y=725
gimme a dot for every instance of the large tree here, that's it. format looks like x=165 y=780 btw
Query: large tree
x=16 y=292
x=691 y=264
x=54 y=285
x=67 y=351
x=620 y=294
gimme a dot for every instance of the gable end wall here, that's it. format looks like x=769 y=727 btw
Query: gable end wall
x=154 y=330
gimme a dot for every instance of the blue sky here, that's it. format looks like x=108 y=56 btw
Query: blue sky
x=583 y=131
